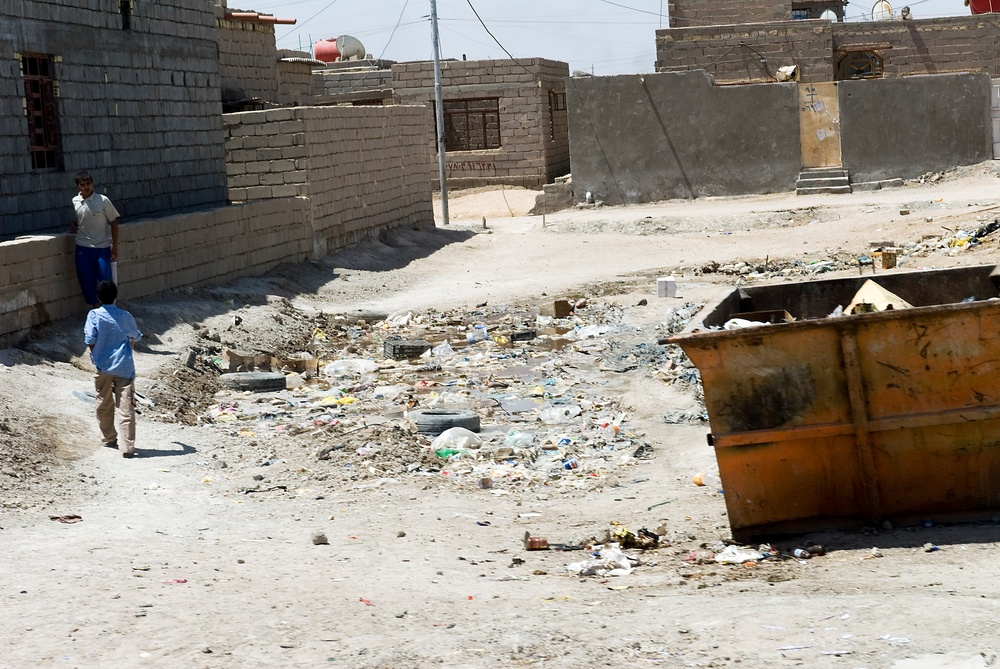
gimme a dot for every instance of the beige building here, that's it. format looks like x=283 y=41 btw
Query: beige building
x=505 y=121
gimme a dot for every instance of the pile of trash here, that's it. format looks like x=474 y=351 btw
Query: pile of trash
x=527 y=377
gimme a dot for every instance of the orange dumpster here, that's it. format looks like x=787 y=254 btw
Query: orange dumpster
x=842 y=422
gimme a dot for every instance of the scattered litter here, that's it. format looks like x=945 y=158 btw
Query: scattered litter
x=71 y=518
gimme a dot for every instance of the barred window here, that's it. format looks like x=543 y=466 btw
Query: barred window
x=40 y=108
x=472 y=125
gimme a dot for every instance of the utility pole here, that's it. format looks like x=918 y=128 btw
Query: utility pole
x=439 y=107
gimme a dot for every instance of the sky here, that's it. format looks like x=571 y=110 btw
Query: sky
x=597 y=36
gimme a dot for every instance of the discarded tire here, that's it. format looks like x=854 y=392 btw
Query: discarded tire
x=257 y=382
x=436 y=421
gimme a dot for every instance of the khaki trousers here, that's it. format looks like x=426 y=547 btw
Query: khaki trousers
x=114 y=392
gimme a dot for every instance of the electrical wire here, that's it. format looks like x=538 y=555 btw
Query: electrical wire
x=298 y=26
x=516 y=61
x=375 y=66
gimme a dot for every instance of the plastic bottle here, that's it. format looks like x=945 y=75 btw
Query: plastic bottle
x=477 y=333
x=802 y=553
x=706 y=479
x=608 y=431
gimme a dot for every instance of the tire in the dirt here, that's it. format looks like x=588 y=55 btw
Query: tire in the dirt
x=257 y=382
x=435 y=421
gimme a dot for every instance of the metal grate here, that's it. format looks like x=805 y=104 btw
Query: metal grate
x=40 y=108
x=472 y=125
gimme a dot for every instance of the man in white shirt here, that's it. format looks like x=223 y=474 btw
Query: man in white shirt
x=96 y=229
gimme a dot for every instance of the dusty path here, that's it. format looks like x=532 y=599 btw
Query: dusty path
x=175 y=565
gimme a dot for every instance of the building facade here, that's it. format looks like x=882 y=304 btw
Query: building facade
x=746 y=42
x=142 y=113
x=505 y=121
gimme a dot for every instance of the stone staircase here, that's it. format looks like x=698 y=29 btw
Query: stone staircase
x=823 y=180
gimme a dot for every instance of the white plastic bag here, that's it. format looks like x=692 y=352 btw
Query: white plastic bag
x=457 y=438
x=350 y=367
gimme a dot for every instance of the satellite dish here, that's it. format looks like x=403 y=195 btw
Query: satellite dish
x=882 y=11
x=830 y=15
x=350 y=48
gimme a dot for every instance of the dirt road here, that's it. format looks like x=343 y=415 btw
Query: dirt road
x=201 y=553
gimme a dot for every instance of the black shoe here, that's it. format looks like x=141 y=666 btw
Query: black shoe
x=128 y=455
x=112 y=444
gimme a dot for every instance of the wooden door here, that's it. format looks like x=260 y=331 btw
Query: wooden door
x=819 y=124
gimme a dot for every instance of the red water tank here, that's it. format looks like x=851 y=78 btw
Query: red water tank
x=985 y=6
x=326 y=50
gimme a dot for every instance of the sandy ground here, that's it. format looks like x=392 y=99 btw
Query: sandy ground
x=200 y=553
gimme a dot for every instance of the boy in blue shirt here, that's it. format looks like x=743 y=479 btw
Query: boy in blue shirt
x=111 y=333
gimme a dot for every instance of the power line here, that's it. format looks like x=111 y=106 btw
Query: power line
x=297 y=27
x=634 y=9
x=496 y=40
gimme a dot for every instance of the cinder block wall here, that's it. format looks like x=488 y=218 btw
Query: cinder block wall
x=248 y=59
x=698 y=13
x=363 y=168
x=529 y=155
x=296 y=85
x=928 y=46
x=995 y=116
x=717 y=50
x=925 y=46
x=334 y=81
x=38 y=280
x=139 y=108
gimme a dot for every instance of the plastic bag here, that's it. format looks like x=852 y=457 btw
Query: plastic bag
x=350 y=367
x=456 y=438
x=559 y=414
x=737 y=555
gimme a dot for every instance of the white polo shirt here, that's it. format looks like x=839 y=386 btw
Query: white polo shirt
x=94 y=216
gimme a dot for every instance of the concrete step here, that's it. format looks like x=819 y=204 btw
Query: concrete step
x=822 y=182
x=812 y=180
x=837 y=190
x=822 y=172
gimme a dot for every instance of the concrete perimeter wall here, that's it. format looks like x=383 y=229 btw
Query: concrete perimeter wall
x=363 y=168
x=660 y=136
x=38 y=279
x=902 y=128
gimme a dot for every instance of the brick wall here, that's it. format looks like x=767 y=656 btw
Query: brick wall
x=694 y=13
x=363 y=168
x=932 y=46
x=718 y=50
x=141 y=112
x=995 y=116
x=248 y=59
x=529 y=154
x=38 y=280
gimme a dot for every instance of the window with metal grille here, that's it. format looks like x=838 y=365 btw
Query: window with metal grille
x=40 y=108
x=557 y=103
x=859 y=65
x=472 y=125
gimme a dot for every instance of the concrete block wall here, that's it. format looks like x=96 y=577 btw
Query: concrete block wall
x=527 y=156
x=334 y=82
x=142 y=112
x=654 y=137
x=296 y=85
x=369 y=169
x=248 y=60
x=995 y=116
x=363 y=169
x=697 y=13
x=931 y=46
x=718 y=50
x=903 y=127
x=38 y=280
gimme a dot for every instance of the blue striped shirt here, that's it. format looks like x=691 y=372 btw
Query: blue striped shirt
x=111 y=331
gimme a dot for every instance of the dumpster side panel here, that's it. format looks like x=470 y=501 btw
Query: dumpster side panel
x=792 y=485
x=939 y=472
x=931 y=363
x=771 y=378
